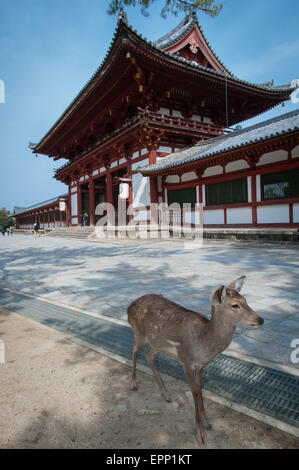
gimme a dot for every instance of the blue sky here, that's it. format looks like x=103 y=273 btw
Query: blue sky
x=50 y=48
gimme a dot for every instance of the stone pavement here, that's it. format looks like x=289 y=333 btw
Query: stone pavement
x=104 y=277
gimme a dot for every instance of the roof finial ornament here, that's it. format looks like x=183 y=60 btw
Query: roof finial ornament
x=122 y=16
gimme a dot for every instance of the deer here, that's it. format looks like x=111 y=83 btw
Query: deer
x=188 y=336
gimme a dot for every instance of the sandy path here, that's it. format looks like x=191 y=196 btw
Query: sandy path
x=57 y=394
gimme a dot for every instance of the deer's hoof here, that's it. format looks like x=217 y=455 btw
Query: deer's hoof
x=134 y=388
x=169 y=400
x=209 y=427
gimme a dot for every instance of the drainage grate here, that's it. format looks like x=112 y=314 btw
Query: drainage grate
x=268 y=391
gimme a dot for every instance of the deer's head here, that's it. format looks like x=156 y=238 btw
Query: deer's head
x=228 y=303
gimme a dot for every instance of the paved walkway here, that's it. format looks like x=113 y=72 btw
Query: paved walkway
x=106 y=276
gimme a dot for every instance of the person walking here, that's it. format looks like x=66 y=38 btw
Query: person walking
x=85 y=218
x=36 y=232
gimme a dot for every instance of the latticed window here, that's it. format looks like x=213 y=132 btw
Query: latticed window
x=228 y=192
x=57 y=216
x=280 y=185
x=182 y=196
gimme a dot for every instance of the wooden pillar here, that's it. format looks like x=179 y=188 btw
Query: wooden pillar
x=109 y=195
x=253 y=199
x=92 y=217
x=79 y=205
x=129 y=175
x=152 y=157
x=69 y=207
x=154 y=200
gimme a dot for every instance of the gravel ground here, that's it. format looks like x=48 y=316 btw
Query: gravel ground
x=57 y=394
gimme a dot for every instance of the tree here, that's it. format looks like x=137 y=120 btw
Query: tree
x=5 y=220
x=170 y=6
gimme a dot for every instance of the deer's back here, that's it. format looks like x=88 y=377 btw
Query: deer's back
x=154 y=315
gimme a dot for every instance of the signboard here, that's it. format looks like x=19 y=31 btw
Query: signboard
x=123 y=190
x=62 y=206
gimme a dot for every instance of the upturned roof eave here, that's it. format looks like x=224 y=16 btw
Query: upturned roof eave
x=123 y=27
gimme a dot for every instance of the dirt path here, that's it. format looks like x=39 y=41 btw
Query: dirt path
x=57 y=394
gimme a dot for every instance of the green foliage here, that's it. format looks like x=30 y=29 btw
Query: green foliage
x=5 y=220
x=169 y=7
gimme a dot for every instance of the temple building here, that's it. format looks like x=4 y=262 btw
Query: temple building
x=158 y=117
x=47 y=214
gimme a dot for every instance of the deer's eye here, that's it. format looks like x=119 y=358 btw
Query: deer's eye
x=235 y=306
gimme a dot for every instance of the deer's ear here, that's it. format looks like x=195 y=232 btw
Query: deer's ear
x=237 y=284
x=216 y=297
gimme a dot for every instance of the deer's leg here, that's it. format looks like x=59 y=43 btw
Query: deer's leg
x=150 y=356
x=139 y=344
x=194 y=377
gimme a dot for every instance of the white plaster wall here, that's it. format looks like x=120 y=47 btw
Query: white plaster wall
x=163 y=149
x=241 y=215
x=213 y=170
x=258 y=188
x=122 y=161
x=164 y=111
x=208 y=120
x=215 y=217
x=74 y=190
x=189 y=176
x=74 y=204
x=236 y=166
x=192 y=217
x=295 y=152
x=135 y=154
x=197 y=118
x=141 y=190
x=75 y=220
x=141 y=216
x=141 y=163
x=177 y=114
x=272 y=157
x=173 y=179
x=114 y=164
x=273 y=214
x=95 y=172
x=204 y=195
x=296 y=213
x=102 y=169
x=144 y=152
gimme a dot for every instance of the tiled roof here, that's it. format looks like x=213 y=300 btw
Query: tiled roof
x=122 y=21
x=280 y=125
x=49 y=202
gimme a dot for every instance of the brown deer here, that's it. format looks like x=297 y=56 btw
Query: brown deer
x=189 y=336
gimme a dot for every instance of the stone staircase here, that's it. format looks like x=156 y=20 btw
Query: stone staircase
x=79 y=233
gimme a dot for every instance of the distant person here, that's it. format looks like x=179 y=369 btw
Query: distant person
x=8 y=231
x=11 y=230
x=85 y=218
x=35 y=228
x=2 y=230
